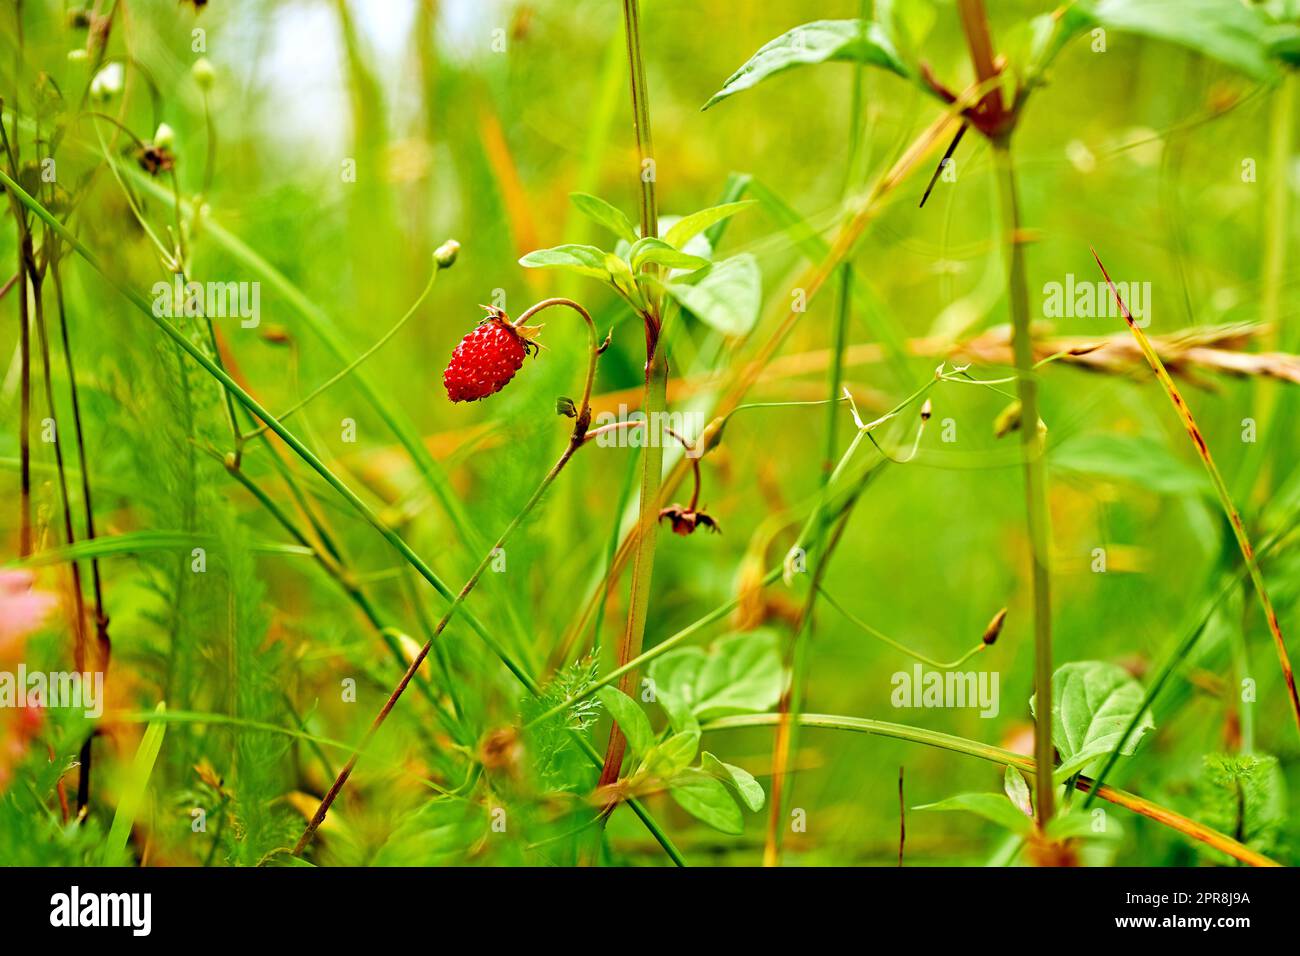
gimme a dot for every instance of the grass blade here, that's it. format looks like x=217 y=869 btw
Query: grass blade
x=1225 y=499
x=141 y=770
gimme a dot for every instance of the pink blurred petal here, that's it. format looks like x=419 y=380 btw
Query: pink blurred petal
x=22 y=610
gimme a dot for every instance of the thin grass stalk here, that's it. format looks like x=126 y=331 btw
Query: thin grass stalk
x=81 y=642
x=25 y=257
x=1220 y=488
x=786 y=738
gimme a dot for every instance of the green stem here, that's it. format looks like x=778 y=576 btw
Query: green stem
x=897 y=645
x=1032 y=447
x=654 y=402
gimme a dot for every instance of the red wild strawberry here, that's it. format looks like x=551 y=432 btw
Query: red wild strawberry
x=488 y=358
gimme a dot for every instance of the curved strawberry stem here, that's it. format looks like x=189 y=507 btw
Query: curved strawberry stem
x=594 y=349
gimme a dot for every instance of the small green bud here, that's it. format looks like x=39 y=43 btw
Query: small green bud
x=446 y=254
x=203 y=73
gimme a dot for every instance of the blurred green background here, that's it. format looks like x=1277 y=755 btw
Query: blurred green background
x=476 y=120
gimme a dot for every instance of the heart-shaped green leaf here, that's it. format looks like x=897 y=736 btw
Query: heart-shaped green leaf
x=1093 y=703
x=674 y=754
x=742 y=674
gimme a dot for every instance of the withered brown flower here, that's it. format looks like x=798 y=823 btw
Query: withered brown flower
x=686 y=520
x=155 y=159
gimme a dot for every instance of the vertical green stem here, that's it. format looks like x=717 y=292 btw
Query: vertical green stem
x=641 y=118
x=655 y=397
x=1035 y=476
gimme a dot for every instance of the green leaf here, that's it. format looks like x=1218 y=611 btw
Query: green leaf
x=817 y=42
x=674 y=754
x=990 y=806
x=1092 y=704
x=631 y=719
x=738 y=778
x=128 y=806
x=1017 y=790
x=601 y=212
x=584 y=260
x=673 y=676
x=704 y=797
x=680 y=232
x=726 y=296
x=660 y=252
x=743 y=675
x=1223 y=30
